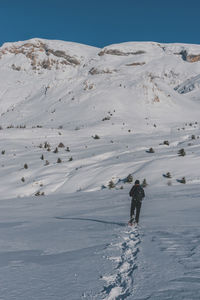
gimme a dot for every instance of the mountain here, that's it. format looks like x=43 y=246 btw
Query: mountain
x=62 y=92
x=76 y=120
x=65 y=77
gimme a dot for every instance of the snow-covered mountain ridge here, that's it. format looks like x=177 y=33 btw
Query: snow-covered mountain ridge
x=131 y=95
x=74 y=121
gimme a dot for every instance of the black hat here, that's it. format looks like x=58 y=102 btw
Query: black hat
x=137 y=182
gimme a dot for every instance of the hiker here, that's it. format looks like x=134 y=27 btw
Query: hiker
x=137 y=194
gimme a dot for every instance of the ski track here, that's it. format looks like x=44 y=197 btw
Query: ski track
x=119 y=283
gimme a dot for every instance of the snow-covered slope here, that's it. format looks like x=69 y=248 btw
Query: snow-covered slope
x=53 y=91
x=73 y=118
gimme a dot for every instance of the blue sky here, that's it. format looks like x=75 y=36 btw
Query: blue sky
x=101 y=22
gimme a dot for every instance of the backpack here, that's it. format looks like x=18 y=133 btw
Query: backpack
x=137 y=193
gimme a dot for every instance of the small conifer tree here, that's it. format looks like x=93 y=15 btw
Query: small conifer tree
x=144 y=183
x=61 y=145
x=168 y=175
x=111 y=184
x=183 y=180
x=129 y=178
x=181 y=152
x=46 y=163
x=96 y=137
x=56 y=150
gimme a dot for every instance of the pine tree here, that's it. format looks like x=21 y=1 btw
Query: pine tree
x=181 y=152
x=144 y=183
x=56 y=150
x=168 y=175
x=151 y=150
x=111 y=184
x=183 y=180
x=129 y=178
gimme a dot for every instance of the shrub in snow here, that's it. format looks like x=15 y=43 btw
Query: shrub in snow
x=25 y=166
x=3 y=152
x=168 y=175
x=129 y=178
x=144 y=183
x=46 y=163
x=10 y=126
x=61 y=145
x=166 y=143
x=96 y=137
x=151 y=150
x=46 y=145
x=38 y=193
x=23 y=179
x=183 y=180
x=59 y=161
x=42 y=157
x=71 y=158
x=67 y=149
x=56 y=150
x=181 y=152
x=106 y=119
x=193 y=137
x=111 y=184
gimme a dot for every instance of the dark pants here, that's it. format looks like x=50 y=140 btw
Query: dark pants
x=135 y=205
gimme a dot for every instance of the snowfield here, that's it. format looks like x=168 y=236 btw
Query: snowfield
x=73 y=118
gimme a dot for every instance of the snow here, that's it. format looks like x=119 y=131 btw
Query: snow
x=73 y=242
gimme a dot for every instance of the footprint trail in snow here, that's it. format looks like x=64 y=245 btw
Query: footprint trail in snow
x=119 y=283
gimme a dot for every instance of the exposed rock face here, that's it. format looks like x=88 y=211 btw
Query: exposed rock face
x=95 y=71
x=193 y=58
x=119 y=53
x=189 y=57
x=136 y=64
x=61 y=54
x=40 y=56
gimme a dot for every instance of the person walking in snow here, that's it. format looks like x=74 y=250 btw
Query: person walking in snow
x=137 y=194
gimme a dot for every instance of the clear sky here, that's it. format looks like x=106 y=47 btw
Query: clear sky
x=101 y=22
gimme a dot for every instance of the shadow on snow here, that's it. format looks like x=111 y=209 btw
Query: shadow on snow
x=93 y=220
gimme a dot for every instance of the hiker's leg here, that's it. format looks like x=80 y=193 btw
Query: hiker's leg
x=138 y=207
x=132 y=209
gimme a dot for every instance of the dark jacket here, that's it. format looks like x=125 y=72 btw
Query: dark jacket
x=137 y=193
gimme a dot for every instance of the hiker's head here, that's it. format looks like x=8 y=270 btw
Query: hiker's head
x=137 y=182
